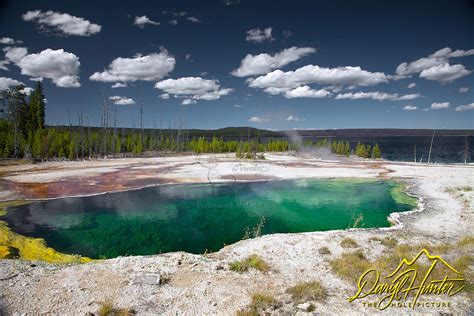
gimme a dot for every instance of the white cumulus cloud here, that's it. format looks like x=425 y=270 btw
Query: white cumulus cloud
x=279 y=81
x=141 y=21
x=59 y=66
x=188 y=101
x=263 y=63
x=119 y=85
x=27 y=90
x=15 y=54
x=465 y=107
x=410 y=108
x=294 y=118
x=193 y=19
x=436 y=66
x=3 y=64
x=258 y=35
x=445 y=73
x=147 y=68
x=6 y=83
x=463 y=89
x=379 y=96
x=306 y=92
x=256 y=119
x=439 y=105
x=411 y=85
x=62 y=23
x=195 y=88
x=119 y=100
x=9 y=41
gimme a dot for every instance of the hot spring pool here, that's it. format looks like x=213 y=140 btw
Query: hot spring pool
x=200 y=217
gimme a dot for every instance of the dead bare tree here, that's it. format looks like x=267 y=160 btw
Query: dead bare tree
x=89 y=137
x=141 y=118
x=431 y=146
x=81 y=132
x=114 y=141
x=466 y=151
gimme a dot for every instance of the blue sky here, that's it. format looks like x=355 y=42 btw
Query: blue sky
x=309 y=64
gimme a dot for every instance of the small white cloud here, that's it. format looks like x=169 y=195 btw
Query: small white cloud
x=141 y=21
x=188 y=57
x=445 y=73
x=6 y=83
x=231 y=2
x=294 y=118
x=3 y=64
x=147 y=68
x=463 y=89
x=256 y=119
x=15 y=54
x=119 y=100
x=379 y=96
x=440 y=105
x=287 y=34
x=9 y=41
x=410 y=107
x=258 y=35
x=63 y=23
x=263 y=63
x=195 y=88
x=193 y=19
x=165 y=96
x=188 y=101
x=119 y=85
x=465 y=107
x=411 y=85
x=27 y=90
x=173 y=22
x=237 y=106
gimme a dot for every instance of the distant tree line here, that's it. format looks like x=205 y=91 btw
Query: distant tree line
x=23 y=134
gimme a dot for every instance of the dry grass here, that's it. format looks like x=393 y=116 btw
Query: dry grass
x=253 y=261
x=324 y=251
x=107 y=308
x=350 y=264
x=387 y=241
x=259 y=303
x=466 y=241
x=348 y=243
x=307 y=291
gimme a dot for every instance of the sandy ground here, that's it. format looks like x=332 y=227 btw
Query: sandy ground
x=201 y=284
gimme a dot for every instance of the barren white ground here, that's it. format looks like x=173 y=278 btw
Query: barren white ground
x=203 y=284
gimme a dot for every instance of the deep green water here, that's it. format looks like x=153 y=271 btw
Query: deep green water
x=196 y=218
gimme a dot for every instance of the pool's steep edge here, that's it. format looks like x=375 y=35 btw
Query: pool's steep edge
x=32 y=249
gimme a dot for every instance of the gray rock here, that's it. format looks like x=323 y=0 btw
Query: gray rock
x=304 y=306
x=149 y=278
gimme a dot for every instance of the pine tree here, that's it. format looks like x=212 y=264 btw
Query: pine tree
x=347 y=149
x=37 y=148
x=376 y=152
